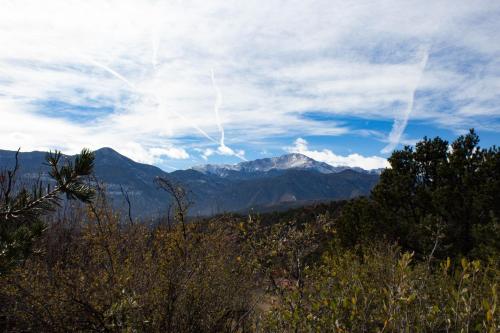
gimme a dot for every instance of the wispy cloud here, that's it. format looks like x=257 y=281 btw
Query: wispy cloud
x=171 y=152
x=148 y=64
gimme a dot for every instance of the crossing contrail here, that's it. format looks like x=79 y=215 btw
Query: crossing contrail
x=222 y=148
x=400 y=123
x=133 y=86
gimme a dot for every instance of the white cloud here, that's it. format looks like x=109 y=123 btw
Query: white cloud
x=171 y=152
x=205 y=154
x=352 y=160
x=151 y=62
x=222 y=150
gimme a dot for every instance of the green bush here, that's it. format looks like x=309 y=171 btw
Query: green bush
x=385 y=290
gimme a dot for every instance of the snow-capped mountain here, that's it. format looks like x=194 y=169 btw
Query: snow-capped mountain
x=264 y=183
x=293 y=161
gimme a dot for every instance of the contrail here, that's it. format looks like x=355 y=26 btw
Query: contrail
x=400 y=124
x=114 y=73
x=133 y=86
x=218 y=101
x=222 y=145
x=154 y=62
x=154 y=56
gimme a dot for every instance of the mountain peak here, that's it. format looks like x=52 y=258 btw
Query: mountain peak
x=294 y=161
x=106 y=151
x=283 y=162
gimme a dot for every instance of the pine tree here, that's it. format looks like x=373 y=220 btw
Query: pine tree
x=22 y=209
x=436 y=199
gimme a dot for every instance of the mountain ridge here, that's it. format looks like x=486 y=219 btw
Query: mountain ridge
x=283 y=162
x=289 y=179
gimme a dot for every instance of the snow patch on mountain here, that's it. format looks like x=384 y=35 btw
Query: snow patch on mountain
x=293 y=161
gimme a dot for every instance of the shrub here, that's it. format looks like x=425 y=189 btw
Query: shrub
x=385 y=290
x=101 y=275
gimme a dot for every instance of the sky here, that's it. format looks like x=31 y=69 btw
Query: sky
x=182 y=83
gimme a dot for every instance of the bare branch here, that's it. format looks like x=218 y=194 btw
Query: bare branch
x=129 y=204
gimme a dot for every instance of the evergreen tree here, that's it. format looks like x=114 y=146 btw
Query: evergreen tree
x=22 y=209
x=435 y=199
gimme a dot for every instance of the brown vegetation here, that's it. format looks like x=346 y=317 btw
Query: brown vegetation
x=339 y=269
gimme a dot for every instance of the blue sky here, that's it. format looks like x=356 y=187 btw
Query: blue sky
x=180 y=83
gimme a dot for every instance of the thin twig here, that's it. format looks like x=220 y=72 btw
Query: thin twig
x=127 y=200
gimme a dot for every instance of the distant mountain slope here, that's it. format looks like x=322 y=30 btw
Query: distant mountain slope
x=284 y=162
x=289 y=187
x=113 y=169
x=288 y=180
x=272 y=166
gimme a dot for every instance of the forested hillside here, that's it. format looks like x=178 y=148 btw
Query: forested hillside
x=262 y=185
x=419 y=254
